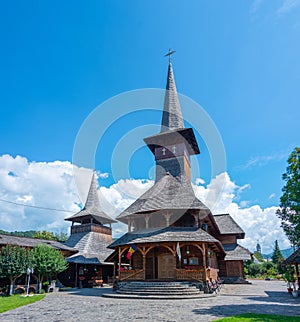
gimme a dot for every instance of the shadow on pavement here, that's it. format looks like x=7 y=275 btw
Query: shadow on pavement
x=89 y=291
x=234 y=309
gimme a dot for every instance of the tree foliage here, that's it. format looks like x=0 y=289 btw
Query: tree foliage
x=258 y=256
x=277 y=257
x=254 y=269
x=14 y=261
x=28 y=233
x=48 y=235
x=47 y=261
x=59 y=236
x=289 y=211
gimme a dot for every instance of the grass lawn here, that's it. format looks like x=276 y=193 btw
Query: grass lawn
x=14 y=301
x=252 y=317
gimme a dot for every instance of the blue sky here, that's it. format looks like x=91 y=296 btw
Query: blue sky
x=238 y=59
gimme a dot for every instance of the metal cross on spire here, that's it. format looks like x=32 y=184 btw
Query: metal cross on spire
x=170 y=53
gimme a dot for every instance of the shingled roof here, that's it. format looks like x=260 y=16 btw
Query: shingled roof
x=32 y=242
x=228 y=226
x=168 y=193
x=92 y=207
x=172 y=125
x=92 y=246
x=293 y=259
x=172 y=116
x=236 y=252
x=168 y=234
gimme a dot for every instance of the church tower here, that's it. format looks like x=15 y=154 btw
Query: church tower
x=91 y=233
x=171 y=201
x=174 y=145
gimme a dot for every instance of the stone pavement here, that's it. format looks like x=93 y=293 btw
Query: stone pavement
x=88 y=305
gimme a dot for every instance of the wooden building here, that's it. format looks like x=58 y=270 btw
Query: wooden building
x=171 y=234
x=91 y=233
x=294 y=260
x=20 y=282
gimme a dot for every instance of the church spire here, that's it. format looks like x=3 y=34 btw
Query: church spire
x=92 y=209
x=92 y=200
x=172 y=116
x=174 y=144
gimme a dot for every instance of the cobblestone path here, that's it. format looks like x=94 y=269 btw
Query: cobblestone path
x=88 y=305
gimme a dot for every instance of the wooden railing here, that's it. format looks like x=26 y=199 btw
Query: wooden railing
x=90 y=227
x=193 y=274
x=132 y=274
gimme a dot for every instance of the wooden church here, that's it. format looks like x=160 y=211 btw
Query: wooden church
x=171 y=234
x=91 y=233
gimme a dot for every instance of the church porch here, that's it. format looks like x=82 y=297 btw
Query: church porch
x=184 y=261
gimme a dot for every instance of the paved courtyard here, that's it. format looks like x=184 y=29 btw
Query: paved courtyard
x=88 y=305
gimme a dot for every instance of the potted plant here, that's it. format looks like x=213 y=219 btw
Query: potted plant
x=289 y=278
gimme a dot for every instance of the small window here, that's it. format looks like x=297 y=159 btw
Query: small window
x=194 y=261
x=185 y=261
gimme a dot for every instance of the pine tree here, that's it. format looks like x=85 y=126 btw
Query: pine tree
x=277 y=256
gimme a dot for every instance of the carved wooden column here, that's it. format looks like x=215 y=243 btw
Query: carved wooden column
x=129 y=224
x=120 y=254
x=144 y=253
x=167 y=216
x=147 y=217
x=196 y=217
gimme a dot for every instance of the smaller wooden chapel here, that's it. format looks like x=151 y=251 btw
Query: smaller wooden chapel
x=171 y=234
x=91 y=233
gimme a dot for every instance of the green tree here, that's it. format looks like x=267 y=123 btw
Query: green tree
x=14 y=261
x=277 y=256
x=47 y=262
x=254 y=269
x=289 y=211
x=48 y=235
x=61 y=236
x=258 y=256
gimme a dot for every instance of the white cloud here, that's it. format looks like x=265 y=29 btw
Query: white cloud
x=258 y=223
x=287 y=6
x=272 y=195
x=51 y=184
x=244 y=203
x=256 y=5
x=199 y=181
x=263 y=160
x=102 y=175
x=46 y=184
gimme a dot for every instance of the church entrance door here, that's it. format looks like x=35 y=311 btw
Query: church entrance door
x=166 y=266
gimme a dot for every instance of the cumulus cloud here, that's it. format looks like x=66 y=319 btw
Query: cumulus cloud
x=51 y=184
x=46 y=184
x=258 y=223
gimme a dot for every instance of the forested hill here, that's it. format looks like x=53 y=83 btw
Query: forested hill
x=285 y=253
x=48 y=235
x=29 y=233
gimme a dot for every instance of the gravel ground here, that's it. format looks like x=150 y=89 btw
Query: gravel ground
x=88 y=305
